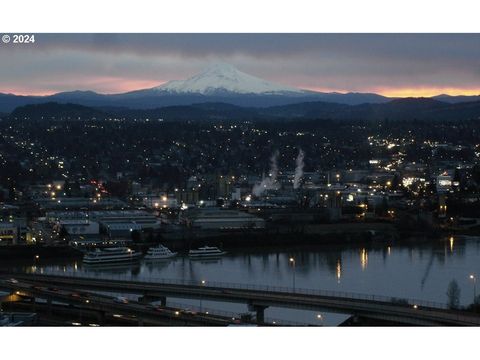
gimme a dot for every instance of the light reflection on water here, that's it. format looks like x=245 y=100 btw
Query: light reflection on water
x=422 y=271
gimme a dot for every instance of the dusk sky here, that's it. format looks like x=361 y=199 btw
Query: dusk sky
x=388 y=64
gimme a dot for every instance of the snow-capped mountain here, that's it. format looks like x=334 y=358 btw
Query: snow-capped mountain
x=220 y=83
x=225 y=78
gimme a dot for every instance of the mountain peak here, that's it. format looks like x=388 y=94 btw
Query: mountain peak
x=221 y=69
x=225 y=78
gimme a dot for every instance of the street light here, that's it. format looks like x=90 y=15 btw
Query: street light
x=203 y=284
x=292 y=261
x=474 y=279
x=35 y=261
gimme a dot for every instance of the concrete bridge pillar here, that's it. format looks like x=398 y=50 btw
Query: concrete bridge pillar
x=260 y=312
x=49 y=306
x=101 y=317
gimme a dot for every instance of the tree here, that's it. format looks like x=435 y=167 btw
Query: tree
x=476 y=301
x=476 y=174
x=395 y=182
x=382 y=208
x=67 y=188
x=136 y=236
x=453 y=295
x=457 y=177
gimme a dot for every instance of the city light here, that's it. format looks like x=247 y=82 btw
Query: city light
x=338 y=270
x=474 y=280
x=364 y=259
x=161 y=188
x=292 y=261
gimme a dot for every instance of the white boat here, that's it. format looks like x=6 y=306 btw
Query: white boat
x=111 y=255
x=159 y=252
x=206 y=251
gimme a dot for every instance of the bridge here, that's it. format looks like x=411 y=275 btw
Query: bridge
x=259 y=298
x=98 y=306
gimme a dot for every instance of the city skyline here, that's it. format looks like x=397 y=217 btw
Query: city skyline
x=395 y=65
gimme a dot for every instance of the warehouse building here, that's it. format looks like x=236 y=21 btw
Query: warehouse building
x=217 y=219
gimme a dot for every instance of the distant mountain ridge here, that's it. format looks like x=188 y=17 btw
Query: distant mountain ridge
x=53 y=110
x=395 y=110
x=220 y=83
x=456 y=99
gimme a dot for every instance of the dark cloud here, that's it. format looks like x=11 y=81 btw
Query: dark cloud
x=420 y=46
x=357 y=62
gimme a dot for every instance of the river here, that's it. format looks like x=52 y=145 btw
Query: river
x=420 y=270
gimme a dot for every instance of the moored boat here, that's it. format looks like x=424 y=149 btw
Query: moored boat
x=111 y=255
x=206 y=251
x=159 y=252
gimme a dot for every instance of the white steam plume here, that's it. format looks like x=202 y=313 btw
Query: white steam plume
x=298 y=169
x=270 y=182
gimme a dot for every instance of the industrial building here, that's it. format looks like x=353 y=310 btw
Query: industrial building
x=8 y=233
x=121 y=230
x=80 y=227
x=215 y=219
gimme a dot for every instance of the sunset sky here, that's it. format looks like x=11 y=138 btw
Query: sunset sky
x=388 y=64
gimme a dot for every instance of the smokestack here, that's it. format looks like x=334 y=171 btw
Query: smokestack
x=298 y=169
x=270 y=182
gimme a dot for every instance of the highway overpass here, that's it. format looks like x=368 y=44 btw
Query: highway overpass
x=409 y=312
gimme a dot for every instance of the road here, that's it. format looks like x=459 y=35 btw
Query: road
x=102 y=304
x=408 y=313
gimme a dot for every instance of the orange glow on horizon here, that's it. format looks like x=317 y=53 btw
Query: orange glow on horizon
x=426 y=92
x=26 y=92
x=111 y=85
x=406 y=92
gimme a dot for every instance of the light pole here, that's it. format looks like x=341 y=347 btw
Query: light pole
x=35 y=263
x=292 y=261
x=203 y=284
x=474 y=279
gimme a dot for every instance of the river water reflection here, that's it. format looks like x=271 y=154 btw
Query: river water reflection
x=420 y=270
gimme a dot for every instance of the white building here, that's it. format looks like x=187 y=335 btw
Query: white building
x=80 y=227
x=444 y=182
x=215 y=219
x=160 y=202
x=8 y=233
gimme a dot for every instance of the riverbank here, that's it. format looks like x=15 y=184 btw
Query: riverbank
x=313 y=235
x=317 y=234
x=37 y=252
